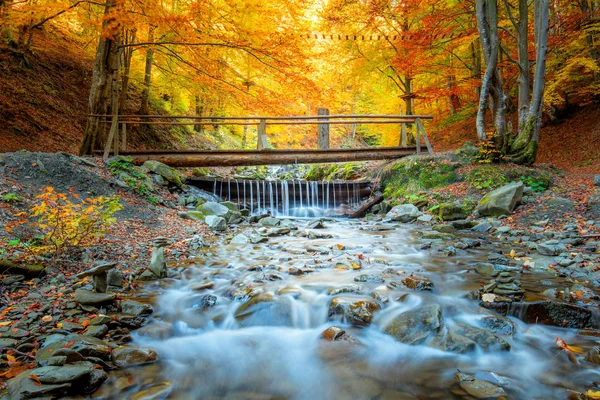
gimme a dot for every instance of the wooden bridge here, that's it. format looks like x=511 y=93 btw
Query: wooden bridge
x=117 y=140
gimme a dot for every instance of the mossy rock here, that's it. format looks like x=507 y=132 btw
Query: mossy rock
x=415 y=174
x=28 y=270
x=451 y=212
x=164 y=170
x=200 y=172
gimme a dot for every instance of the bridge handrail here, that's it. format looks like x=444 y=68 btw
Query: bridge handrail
x=412 y=118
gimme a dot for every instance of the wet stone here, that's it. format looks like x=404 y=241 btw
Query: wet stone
x=128 y=356
x=416 y=325
x=479 y=389
x=356 y=310
x=417 y=283
x=333 y=333
x=355 y=289
x=369 y=278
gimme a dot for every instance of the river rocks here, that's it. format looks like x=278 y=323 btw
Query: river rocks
x=87 y=297
x=85 y=346
x=450 y=212
x=164 y=171
x=547 y=312
x=99 y=274
x=486 y=269
x=63 y=374
x=129 y=356
x=23 y=387
x=452 y=342
x=416 y=325
x=403 y=213
x=316 y=224
x=333 y=333
x=478 y=388
x=136 y=308
x=192 y=215
x=505 y=285
x=356 y=310
x=214 y=209
x=483 y=338
x=501 y=201
x=560 y=202
x=270 y=221
x=369 y=278
x=264 y=309
x=156 y=330
x=593 y=355
x=355 y=289
x=158 y=264
x=215 y=223
x=417 y=282
x=482 y=227
x=240 y=239
x=444 y=228
x=498 y=325
x=551 y=248
x=96 y=330
x=435 y=235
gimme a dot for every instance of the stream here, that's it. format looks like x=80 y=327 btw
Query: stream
x=246 y=321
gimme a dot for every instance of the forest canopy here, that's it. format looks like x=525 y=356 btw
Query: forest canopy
x=532 y=60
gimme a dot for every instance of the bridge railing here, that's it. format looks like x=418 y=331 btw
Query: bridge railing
x=118 y=141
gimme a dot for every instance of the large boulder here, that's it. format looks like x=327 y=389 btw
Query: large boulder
x=451 y=212
x=213 y=208
x=215 y=223
x=416 y=325
x=501 y=201
x=403 y=213
x=168 y=173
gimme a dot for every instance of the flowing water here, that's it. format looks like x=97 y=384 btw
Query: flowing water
x=297 y=198
x=276 y=350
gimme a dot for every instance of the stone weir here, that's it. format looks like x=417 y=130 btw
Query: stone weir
x=282 y=197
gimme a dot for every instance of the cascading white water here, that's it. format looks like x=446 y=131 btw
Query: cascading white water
x=305 y=199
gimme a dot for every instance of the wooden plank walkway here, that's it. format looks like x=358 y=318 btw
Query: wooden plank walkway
x=234 y=158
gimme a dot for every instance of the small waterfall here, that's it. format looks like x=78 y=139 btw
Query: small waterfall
x=303 y=199
x=251 y=198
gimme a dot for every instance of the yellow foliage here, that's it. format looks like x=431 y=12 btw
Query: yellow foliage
x=56 y=223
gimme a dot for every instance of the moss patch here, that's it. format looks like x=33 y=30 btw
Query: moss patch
x=414 y=174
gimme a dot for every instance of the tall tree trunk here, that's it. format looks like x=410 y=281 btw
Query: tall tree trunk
x=127 y=54
x=6 y=32
x=587 y=11
x=476 y=66
x=524 y=148
x=492 y=91
x=524 y=64
x=107 y=60
x=144 y=109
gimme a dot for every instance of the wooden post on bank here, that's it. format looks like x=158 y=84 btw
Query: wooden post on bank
x=261 y=140
x=323 y=130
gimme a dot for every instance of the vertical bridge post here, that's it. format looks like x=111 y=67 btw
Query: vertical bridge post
x=261 y=140
x=323 y=130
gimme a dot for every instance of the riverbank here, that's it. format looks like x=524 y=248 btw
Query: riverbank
x=273 y=286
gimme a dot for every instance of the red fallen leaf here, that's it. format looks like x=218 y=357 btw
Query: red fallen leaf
x=35 y=379
x=69 y=344
x=85 y=323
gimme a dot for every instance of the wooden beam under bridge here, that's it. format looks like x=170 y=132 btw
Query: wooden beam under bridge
x=235 y=158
